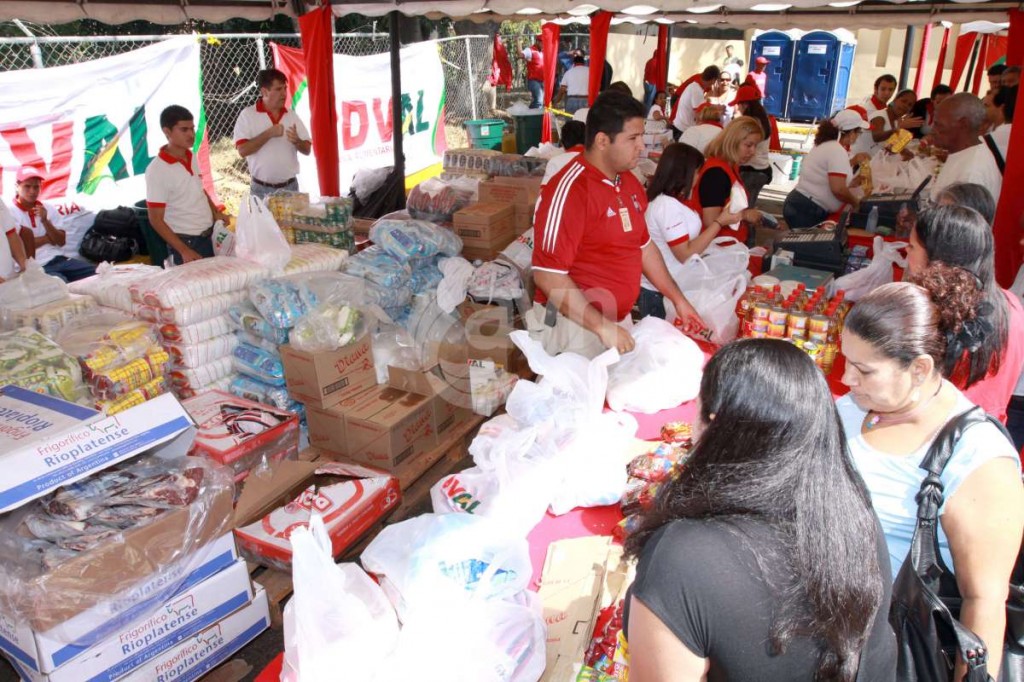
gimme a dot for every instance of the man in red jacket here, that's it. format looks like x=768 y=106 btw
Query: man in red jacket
x=534 y=56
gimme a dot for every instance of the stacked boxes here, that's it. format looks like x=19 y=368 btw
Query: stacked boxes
x=485 y=229
x=521 y=193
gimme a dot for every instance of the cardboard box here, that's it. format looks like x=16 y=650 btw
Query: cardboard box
x=486 y=253
x=522 y=218
x=241 y=434
x=186 y=613
x=451 y=399
x=487 y=338
x=381 y=427
x=39 y=652
x=511 y=190
x=47 y=443
x=350 y=497
x=325 y=378
x=484 y=224
x=207 y=649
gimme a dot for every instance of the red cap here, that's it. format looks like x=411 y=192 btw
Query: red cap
x=27 y=173
x=746 y=93
x=761 y=60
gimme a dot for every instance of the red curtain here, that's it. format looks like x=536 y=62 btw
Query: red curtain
x=662 y=56
x=1007 y=227
x=1015 y=49
x=599 y=24
x=925 y=41
x=500 y=66
x=942 y=58
x=962 y=54
x=317 y=30
x=549 y=35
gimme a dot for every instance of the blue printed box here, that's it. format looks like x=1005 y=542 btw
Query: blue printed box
x=46 y=442
x=193 y=609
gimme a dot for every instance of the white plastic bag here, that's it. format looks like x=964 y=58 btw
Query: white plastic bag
x=661 y=372
x=716 y=304
x=593 y=469
x=223 y=240
x=724 y=259
x=258 y=238
x=431 y=559
x=338 y=619
x=862 y=282
x=32 y=289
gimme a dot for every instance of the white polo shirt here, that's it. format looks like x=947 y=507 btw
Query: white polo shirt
x=577 y=81
x=974 y=164
x=277 y=161
x=692 y=97
x=7 y=227
x=23 y=217
x=828 y=159
x=177 y=186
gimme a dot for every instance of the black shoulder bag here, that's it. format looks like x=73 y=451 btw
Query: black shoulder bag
x=926 y=601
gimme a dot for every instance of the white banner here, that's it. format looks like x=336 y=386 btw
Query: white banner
x=362 y=87
x=92 y=128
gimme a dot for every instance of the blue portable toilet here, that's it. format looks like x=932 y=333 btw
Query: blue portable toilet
x=821 y=74
x=777 y=48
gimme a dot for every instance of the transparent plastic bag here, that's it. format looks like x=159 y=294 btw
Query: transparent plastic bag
x=198 y=332
x=338 y=619
x=110 y=285
x=260 y=392
x=662 y=371
x=30 y=360
x=196 y=282
x=329 y=326
x=197 y=378
x=192 y=312
x=281 y=302
x=247 y=318
x=120 y=576
x=315 y=258
x=199 y=354
x=407 y=240
x=380 y=267
x=862 y=282
x=32 y=289
x=259 y=363
x=437 y=200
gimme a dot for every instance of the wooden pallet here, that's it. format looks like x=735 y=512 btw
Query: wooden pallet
x=451 y=454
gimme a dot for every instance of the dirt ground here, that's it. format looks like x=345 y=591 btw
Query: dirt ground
x=229 y=173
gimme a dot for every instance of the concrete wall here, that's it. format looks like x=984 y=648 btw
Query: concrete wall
x=878 y=52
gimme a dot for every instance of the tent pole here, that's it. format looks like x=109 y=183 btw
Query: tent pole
x=397 y=122
x=970 y=65
x=908 y=52
x=940 y=67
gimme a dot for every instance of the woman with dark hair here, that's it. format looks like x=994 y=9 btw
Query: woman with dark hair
x=720 y=189
x=988 y=367
x=758 y=171
x=971 y=195
x=674 y=227
x=895 y=116
x=763 y=559
x=824 y=185
x=896 y=341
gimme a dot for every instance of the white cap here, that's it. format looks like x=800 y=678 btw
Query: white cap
x=848 y=119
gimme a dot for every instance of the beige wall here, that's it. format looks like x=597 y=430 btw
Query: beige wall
x=877 y=53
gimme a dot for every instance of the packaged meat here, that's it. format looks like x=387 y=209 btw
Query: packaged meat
x=312 y=257
x=349 y=497
x=241 y=434
x=194 y=355
x=34 y=362
x=190 y=313
x=436 y=200
x=108 y=543
x=49 y=318
x=259 y=363
x=198 y=332
x=281 y=302
x=378 y=266
x=196 y=281
x=247 y=318
x=199 y=377
x=407 y=240
x=109 y=286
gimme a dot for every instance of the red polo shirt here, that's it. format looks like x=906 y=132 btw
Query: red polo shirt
x=593 y=229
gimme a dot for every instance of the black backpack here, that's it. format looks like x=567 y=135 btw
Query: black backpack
x=115 y=236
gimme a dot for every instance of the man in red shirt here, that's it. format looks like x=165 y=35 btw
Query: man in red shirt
x=591 y=242
x=759 y=77
x=534 y=56
x=650 y=81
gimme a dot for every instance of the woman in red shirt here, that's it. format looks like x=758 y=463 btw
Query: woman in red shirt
x=988 y=368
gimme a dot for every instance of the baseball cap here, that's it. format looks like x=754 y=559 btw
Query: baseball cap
x=761 y=60
x=28 y=172
x=746 y=93
x=848 y=119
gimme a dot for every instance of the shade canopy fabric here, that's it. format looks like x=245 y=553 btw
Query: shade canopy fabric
x=806 y=14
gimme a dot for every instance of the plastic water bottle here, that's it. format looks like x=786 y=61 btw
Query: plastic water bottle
x=872 y=224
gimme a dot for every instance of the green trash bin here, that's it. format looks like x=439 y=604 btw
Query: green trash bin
x=485 y=133
x=155 y=244
x=528 y=131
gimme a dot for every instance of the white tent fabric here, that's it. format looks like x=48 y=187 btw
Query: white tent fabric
x=781 y=14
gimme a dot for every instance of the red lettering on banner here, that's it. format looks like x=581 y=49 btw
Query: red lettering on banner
x=383 y=127
x=58 y=173
x=348 y=139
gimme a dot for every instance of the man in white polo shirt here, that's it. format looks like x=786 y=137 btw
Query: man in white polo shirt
x=575 y=85
x=179 y=209
x=270 y=138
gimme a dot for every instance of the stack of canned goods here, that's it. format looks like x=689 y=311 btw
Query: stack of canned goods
x=283 y=206
x=327 y=222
